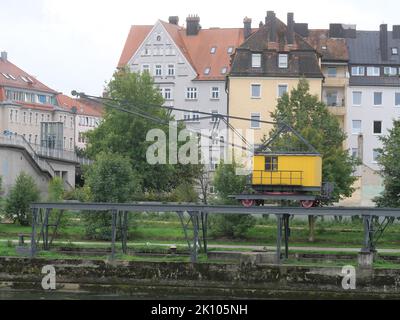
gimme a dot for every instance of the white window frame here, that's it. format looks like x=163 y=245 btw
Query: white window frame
x=374 y=160
x=395 y=51
x=214 y=119
x=251 y=91
x=283 y=60
x=353 y=132
x=167 y=96
x=215 y=94
x=144 y=69
x=358 y=69
x=171 y=67
x=156 y=69
x=213 y=50
x=381 y=104
x=191 y=93
x=253 y=114
x=329 y=75
x=256 y=60
x=282 y=85
x=387 y=71
x=373 y=71
x=373 y=128
x=352 y=98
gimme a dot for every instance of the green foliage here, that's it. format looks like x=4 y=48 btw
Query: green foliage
x=22 y=194
x=125 y=133
x=226 y=183
x=110 y=179
x=388 y=160
x=312 y=119
x=185 y=193
x=56 y=189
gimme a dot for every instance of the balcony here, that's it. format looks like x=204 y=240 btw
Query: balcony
x=337 y=82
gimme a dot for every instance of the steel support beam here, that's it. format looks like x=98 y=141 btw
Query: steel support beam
x=279 y=239
x=113 y=233
x=33 y=234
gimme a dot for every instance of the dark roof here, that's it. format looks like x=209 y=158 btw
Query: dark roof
x=365 y=49
x=331 y=49
x=375 y=81
x=303 y=58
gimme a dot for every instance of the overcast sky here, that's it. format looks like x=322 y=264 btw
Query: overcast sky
x=76 y=44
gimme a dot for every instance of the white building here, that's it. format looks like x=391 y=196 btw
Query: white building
x=189 y=65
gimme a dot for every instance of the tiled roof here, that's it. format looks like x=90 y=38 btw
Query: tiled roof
x=136 y=36
x=365 y=48
x=195 y=48
x=331 y=49
x=84 y=107
x=12 y=71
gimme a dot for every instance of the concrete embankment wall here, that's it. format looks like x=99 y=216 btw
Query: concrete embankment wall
x=164 y=280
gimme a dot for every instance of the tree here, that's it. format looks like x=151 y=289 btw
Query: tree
x=125 y=133
x=56 y=189
x=110 y=179
x=226 y=183
x=21 y=195
x=312 y=119
x=388 y=160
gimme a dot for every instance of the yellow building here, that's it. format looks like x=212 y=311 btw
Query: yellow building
x=269 y=63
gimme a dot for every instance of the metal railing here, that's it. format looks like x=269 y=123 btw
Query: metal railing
x=288 y=178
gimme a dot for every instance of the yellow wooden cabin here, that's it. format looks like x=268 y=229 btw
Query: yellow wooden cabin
x=302 y=171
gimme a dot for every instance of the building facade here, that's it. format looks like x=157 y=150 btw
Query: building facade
x=270 y=62
x=189 y=65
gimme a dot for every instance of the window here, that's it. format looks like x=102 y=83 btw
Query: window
x=213 y=50
x=171 y=70
x=195 y=116
x=282 y=89
x=377 y=127
x=375 y=155
x=191 y=93
x=331 y=99
x=395 y=51
x=158 y=70
x=167 y=93
x=354 y=152
x=271 y=163
x=255 y=121
x=358 y=71
x=215 y=93
x=356 y=126
x=377 y=98
x=256 y=91
x=397 y=99
x=147 y=52
x=256 y=60
x=224 y=70
x=230 y=50
x=214 y=117
x=207 y=71
x=283 y=61
x=390 y=71
x=41 y=98
x=373 y=71
x=145 y=68
x=332 y=72
x=357 y=98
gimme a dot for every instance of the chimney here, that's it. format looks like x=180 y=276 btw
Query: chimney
x=290 y=28
x=396 y=32
x=247 y=27
x=173 y=20
x=301 y=29
x=193 y=25
x=4 y=55
x=271 y=19
x=383 y=41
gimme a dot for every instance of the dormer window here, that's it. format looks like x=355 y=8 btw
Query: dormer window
x=256 y=60
x=224 y=70
x=213 y=50
x=207 y=71
x=230 y=50
x=395 y=51
x=283 y=61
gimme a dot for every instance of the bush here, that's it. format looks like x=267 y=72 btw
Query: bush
x=231 y=226
x=22 y=194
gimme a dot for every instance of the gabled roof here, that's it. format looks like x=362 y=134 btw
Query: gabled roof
x=83 y=107
x=9 y=68
x=365 y=48
x=196 y=49
x=331 y=49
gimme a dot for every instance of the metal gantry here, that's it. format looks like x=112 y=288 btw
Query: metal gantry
x=194 y=218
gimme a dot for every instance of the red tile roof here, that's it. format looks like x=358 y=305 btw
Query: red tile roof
x=331 y=49
x=195 y=48
x=9 y=68
x=84 y=107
